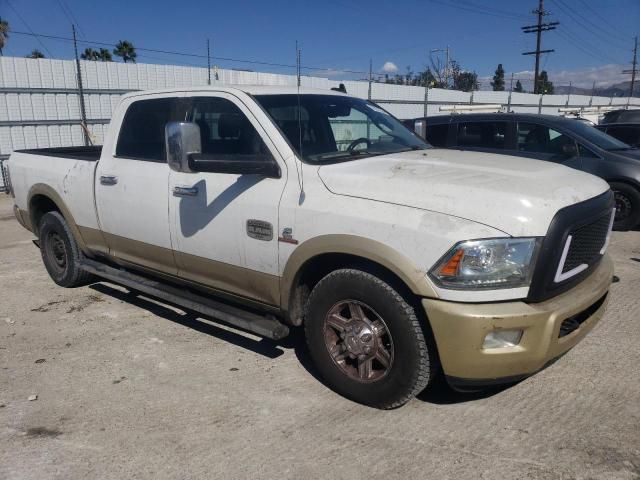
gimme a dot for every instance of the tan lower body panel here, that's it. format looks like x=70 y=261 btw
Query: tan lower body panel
x=238 y=281
x=460 y=329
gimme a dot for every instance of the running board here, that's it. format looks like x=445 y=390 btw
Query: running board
x=264 y=326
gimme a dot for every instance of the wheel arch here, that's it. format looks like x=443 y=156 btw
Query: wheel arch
x=42 y=199
x=319 y=256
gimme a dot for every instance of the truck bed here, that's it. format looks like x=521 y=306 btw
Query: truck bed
x=89 y=154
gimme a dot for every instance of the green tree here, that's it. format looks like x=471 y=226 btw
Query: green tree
x=518 y=87
x=35 y=54
x=463 y=80
x=498 y=79
x=126 y=50
x=105 y=55
x=89 y=54
x=4 y=34
x=544 y=85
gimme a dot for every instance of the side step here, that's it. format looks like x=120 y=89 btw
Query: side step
x=263 y=326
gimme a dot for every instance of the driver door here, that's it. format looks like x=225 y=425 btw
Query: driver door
x=224 y=227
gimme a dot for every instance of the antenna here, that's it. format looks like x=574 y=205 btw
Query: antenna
x=300 y=170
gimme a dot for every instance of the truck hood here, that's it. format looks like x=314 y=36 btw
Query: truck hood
x=516 y=195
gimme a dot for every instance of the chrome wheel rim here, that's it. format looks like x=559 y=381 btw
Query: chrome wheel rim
x=623 y=206
x=358 y=341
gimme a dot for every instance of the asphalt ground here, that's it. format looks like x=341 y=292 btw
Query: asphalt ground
x=130 y=388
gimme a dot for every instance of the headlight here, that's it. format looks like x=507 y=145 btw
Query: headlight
x=487 y=264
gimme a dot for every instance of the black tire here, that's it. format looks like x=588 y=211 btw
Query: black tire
x=60 y=252
x=411 y=367
x=627 y=206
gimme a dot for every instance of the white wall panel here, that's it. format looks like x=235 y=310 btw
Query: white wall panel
x=64 y=106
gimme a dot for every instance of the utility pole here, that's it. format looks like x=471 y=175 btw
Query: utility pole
x=634 y=70
x=538 y=29
x=370 y=78
x=298 y=68
x=83 y=112
x=208 y=64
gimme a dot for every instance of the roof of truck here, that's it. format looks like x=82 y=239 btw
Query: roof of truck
x=250 y=89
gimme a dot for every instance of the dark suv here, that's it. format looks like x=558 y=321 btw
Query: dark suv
x=550 y=138
x=628 y=133
x=621 y=116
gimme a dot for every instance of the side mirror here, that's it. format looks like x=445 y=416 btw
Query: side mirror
x=420 y=127
x=258 y=164
x=182 y=139
x=570 y=150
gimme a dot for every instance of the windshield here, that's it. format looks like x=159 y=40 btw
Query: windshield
x=329 y=128
x=600 y=139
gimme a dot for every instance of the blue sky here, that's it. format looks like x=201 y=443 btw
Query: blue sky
x=593 y=42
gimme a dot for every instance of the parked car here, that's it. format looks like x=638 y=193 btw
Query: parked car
x=621 y=116
x=551 y=138
x=268 y=208
x=628 y=133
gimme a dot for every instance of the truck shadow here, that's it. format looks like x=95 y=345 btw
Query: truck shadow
x=265 y=347
x=438 y=393
x=194 y=212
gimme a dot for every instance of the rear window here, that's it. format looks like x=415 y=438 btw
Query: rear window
x=482 y=134
x=437 y=134
x=142 y=131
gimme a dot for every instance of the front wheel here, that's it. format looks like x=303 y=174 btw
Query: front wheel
x=366 y=340
x=627 y=206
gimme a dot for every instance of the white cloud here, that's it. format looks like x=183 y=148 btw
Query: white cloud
x=389 y=67
x=603 y=75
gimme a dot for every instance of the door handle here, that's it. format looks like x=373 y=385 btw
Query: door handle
x=185 y=191
x=108 y=179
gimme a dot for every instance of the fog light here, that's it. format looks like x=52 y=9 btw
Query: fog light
x=502 y=338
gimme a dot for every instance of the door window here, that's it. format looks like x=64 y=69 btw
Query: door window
x=541 y=139
x=142 y=131
x=225 y=131
x=482 y=135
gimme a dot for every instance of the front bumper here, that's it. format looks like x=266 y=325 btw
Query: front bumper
x=460 y=328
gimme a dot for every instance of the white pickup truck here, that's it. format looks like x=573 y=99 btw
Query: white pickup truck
x=268 y=208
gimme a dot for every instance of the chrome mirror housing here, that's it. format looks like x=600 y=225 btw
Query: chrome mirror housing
x=181 y=140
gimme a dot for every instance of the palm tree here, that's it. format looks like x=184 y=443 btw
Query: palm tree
x=90 y=54
x=4 y=34
x=126 y=50
x=105 y=55
x=35 y=54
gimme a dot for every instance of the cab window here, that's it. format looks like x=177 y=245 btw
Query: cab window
x=490 y=135
x=226 y=131
x=541 y=139
x=437 y=134
x=142 y=131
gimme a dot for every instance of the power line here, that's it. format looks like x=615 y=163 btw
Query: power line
x=193 y=55
x=614 y=27
x=69 y=14
x=28 y=28
x=584 y=22
x=633 y=70
x=477 y=10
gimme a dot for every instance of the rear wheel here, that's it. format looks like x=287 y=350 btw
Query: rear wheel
x=627 y=206
x=60 y=252
x=366 y=340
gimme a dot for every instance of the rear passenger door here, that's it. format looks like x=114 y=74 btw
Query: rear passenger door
x=482 y=136
x=132 y=195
